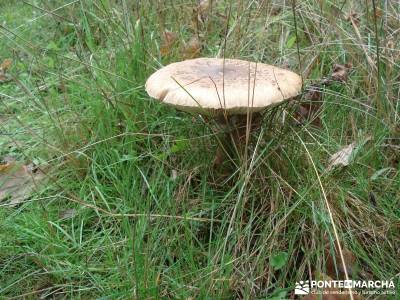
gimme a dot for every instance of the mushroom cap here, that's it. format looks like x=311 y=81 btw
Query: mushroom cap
x=212 y=86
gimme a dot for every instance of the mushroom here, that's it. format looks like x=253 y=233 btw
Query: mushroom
x=229 y=90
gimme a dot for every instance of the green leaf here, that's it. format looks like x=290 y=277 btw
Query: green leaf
x=179 y=146
x=279 y=260
x=290 y=41
x=52 y=46
x=277 y=294
x=381 y=172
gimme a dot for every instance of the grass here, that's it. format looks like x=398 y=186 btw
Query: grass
x=133 y=208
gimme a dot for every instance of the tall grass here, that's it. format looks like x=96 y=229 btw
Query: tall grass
x=133 y=207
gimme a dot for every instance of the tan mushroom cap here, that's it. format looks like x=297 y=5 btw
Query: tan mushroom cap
x=212 y=85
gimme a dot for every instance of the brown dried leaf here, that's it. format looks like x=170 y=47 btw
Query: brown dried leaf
x=174 y=174
x=334 y=265
x=3 y=77
x=314 y=94
x=199 y=15
x=4 y=167
x=68 y=213
x=342 y=157
x=390 y=44
x=192 y=48
x=17 y=182
x=202 y=9
x=378 y=12
x=340 y=72
x=220 y=157
x=168 y=40
x=353 y=17
x=308 y=111
x=203 y=6
x=6 y=64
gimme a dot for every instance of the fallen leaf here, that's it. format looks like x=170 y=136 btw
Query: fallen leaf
x=168 y=40
x=17 y=182
x=279 y=260
x=67 y=214
x=3 y=77
x=334 y=265
x=340 y=72
x=353 y=17
x=378 y=12
x=390 y=44
x=382 y=173
x=314 y=94
x=4 y=167
x=219 y=158
x=174 y=174
x=308 y=110
x=204 y=5
x=192 y=48
x=4 y=66
x=202 y=9
x=199 y=15
x=342 y=157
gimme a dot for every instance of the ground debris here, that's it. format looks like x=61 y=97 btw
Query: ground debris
x=310 y=106
x=340 y=72
x=67 y=214
x=192 y=48
x=341 y=157
x=168 y=40
x=4 y=66
x=18 y=182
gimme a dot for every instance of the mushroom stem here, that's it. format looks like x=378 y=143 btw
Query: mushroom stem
x=236 y=136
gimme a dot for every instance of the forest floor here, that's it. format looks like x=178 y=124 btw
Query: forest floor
x=107 y=194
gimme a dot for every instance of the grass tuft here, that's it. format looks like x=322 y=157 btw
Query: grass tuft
x=133 y=207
